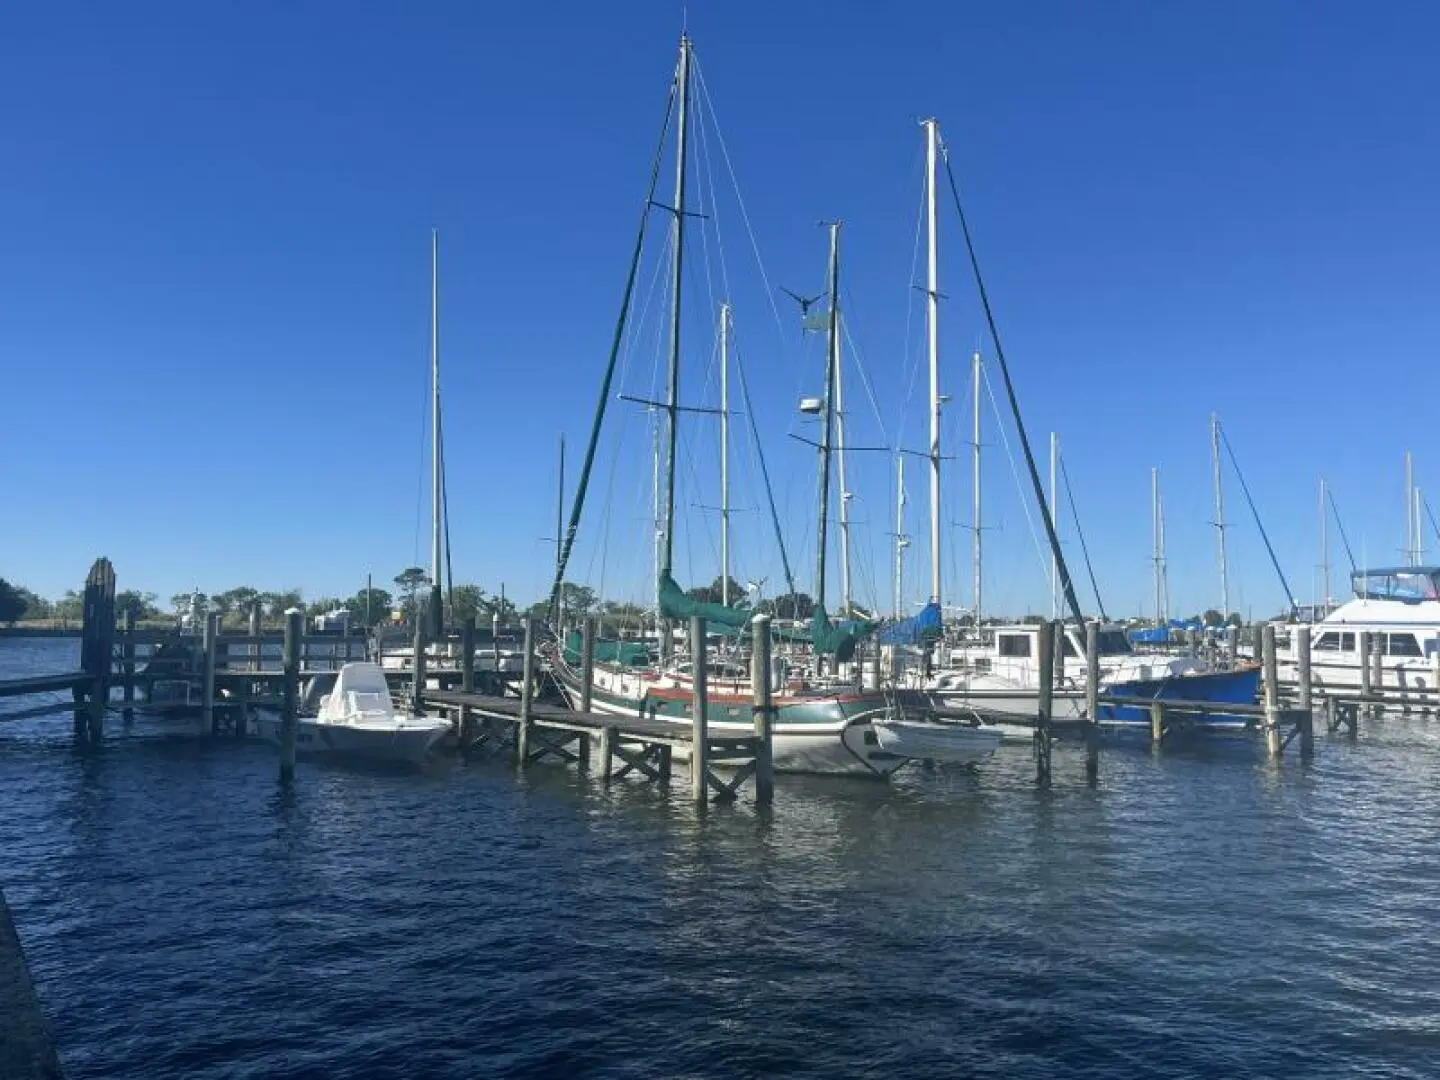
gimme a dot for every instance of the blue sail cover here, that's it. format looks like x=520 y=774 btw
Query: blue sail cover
x=918 y=629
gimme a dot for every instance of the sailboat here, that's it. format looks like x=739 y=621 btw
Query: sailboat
x=925 y=736
x=821 y=725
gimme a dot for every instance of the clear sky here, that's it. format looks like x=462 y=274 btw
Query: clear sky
x=214 y=245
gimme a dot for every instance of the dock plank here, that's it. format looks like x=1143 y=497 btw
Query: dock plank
x=43 y=684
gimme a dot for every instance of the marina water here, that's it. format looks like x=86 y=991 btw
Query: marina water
x=1201 y=913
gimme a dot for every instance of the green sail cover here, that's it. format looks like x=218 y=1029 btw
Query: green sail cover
x=674 y=604
x=838 y=639
x=626 y=653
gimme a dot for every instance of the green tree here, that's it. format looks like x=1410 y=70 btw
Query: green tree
x=139 y=606
x=578 y=600
x=376 y=601
x=180 y=601
x=237 y=601
x=36 y=607
x=467 y=601
x=12 y=604
x=410 y=582
x=1213 y=618
x=70 y=607
x=277 y=603
x=790 y=606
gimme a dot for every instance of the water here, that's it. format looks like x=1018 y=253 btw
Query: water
x=1201 y=914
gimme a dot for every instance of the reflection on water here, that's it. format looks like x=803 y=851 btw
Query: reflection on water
x=1199 y=914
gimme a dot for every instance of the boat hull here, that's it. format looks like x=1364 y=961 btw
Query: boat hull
x=936 y=741
x=404 y=744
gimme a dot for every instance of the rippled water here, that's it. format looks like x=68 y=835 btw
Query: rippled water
x=1200 y=914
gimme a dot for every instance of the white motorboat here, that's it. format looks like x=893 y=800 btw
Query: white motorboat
x=358 y=720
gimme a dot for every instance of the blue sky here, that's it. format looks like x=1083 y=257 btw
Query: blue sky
x=214 y=278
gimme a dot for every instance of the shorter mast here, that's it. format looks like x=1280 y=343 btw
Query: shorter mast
x=1324 y=550
x=975 y=553
x=725 y=454
x=901 y=540
x=1157 y=524
x=1220 y=517
x=1409 y=510
x=560 y=536
x=1055 y=517
x=845 y=596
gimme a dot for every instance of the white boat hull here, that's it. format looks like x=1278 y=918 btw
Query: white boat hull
x=407 y=741
x=936 y=741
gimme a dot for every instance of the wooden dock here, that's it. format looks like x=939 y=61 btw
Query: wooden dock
x=26 y=1049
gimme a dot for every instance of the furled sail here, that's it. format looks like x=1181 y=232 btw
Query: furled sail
x=674 y=604
x=919 y=629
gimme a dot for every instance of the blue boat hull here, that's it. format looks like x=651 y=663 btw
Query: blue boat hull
x=1220 y=688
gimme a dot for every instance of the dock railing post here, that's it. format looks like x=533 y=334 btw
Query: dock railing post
x=1060 y=643
x=1092 y=701
x=467 y=673
x=1307 y=692
x=527 y=693
x=495 y=651
x=1272 y=690
x=96 y=649
x=127 y=662
x=1232 y=645
x=294 y=630
x=207 y=689
x=589 y=628
x=1046 y=702
x=700 y=728
x=765 y=708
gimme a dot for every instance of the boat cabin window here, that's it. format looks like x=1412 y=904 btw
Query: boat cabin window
x=1402 y=645
x=1410 y=584
x=1334 y=641
x=1013 y=644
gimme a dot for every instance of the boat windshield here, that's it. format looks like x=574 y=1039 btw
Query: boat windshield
x=1410 y=584
x=1114 y=643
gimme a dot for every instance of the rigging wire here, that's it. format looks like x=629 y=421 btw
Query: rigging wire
x=1349 y=554
x=1080 y=532
x=1275 y=562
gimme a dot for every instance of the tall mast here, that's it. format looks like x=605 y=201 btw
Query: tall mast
x=975 y=464
x=1409 y=510
x=845 y=598
x=1220 y=517
x=436 y=492
x=932 y=298
x=901 y=540
x=1055 y=517
x=1324 y=550
x=1419 y=531
x=672 y=394
x=1158 y=540
x=832 y=349
x=560 y=531
x=725 y=454
x=658 y=522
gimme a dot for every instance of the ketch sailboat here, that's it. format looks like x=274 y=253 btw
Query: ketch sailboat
x=823 y=726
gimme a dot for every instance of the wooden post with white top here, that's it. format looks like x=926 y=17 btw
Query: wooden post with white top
x=1046 y=703
x=527 y=693
x=764 y=709
x=1271 y=678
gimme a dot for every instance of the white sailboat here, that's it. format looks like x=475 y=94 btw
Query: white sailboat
x=926 y=736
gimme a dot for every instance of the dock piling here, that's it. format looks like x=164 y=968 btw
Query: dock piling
x=467 y=673
x=294 y=631
x=417 y=666
x=1377 y=669
x=1092 y=701
x=527 y=694
x=1307 y=691
x=1157 y=724
x=96 y=648
x=209 y=648
x=127 y=664
x=1273 y=743
x=1046 y=702
x=700 y=745
x=765 y=709
x=587 y=684
x=1232 y=646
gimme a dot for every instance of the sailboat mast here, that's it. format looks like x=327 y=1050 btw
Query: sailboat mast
x=1220 y=517
x=1419 y=531
x=1324 y=550
x=932 y=298
x=560 y=531
x=725 y=454
x=658 y=523
x=1156 y=542
x=975 y=552
x=672 y=394
x=845 y=598
x=1055 y=512
x=830 y=364
x=436 y=492
x=901 y=540
x=1409 y=510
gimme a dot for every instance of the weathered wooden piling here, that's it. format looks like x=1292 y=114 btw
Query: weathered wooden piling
x=1092 y=701
x=417 y=694
x=495 y=650
x=27 y=1052
x=127 y=665
x=1271 y=676
x=96 y=648
x=765 y=708
x=290 y=690
x=1232 y=646
x=527 y=694
x=467 y=674
x=210 y=633
x=700 y=743
x=587 y=684
x=1157 y=724
x=1377 y=669
x=1306 y=693
x=1046 y=705
x=1059 y=645
x=258 y=654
